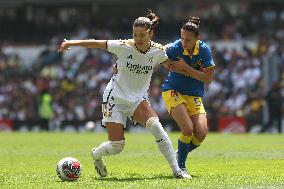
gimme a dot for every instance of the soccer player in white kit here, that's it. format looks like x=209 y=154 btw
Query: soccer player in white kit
x=126 y=93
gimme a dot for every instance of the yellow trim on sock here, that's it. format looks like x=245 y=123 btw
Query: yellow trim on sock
x=185 y=139
x=195 y=141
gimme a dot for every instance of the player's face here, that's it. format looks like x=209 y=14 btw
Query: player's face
x=141 y=36
x=188 y=39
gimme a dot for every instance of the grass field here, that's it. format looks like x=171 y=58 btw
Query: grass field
x=28 y=160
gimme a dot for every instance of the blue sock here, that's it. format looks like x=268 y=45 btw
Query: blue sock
x=192 y=146
x=183 y=150
x=194 y=143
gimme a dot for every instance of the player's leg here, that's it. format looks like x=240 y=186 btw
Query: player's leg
x=197 y=114
x=113 y=146
x=176 y=106
x=145 y=115
x=115 y=142
x=114 y=121
x=184 y=122
x=200 y=130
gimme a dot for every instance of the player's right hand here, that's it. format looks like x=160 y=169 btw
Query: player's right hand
x=65 y=45
x=205 y=70
x=114 y=69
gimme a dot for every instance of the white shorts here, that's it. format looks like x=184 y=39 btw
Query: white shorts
x=117 y=110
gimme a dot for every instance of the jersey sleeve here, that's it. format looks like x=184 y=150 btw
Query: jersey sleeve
x=172 y=51
x=114 y=46
x=207 y=58
x=162 y=57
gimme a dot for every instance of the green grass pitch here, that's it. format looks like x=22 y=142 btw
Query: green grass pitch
x=28 y=160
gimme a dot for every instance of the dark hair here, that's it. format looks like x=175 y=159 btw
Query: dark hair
x=150 y=21
x=192 y=25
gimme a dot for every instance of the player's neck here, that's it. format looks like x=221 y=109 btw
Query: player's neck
x=143 y=48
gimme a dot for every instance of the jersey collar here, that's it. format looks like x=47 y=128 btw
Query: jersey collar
x=195 y=51
x=144 y=52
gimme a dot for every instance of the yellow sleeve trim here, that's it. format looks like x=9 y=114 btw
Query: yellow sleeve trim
x=211 y=66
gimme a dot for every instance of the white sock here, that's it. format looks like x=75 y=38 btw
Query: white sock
x=108 y=148
x=165 y=146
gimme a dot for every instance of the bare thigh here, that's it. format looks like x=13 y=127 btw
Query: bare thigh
x=200 y=129
x=115 y=131
x=143 y=112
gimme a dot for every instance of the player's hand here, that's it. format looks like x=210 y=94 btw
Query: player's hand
x=180 y=65
x=171 y=66
x=114 y=69
x=205 y=70
x=65 y=45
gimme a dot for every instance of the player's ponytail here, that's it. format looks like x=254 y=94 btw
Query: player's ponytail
x=154 y=19
x=192 y=25
x=150 y=21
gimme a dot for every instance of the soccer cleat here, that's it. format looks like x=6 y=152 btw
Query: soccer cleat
x=99 y=165
x=176 y=152
x=181 y=174
x=184 y=169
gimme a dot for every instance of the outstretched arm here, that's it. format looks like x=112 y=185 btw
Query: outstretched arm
x=88 y=43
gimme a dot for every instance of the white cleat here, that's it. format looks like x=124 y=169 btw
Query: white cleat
x=183 y=169
x=176 y=152
x=99 y=165
x=182 y=174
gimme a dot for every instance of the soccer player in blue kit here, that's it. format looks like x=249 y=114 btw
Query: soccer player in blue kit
x=182 y=94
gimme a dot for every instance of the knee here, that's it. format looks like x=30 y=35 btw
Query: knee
x=201 y=132
x=186 y=129
x=116 y=146
x=155 y=127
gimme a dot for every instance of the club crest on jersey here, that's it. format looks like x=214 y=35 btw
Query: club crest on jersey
x=199 y=62
x=197 y=65
x=174 y=95
x=151 y=59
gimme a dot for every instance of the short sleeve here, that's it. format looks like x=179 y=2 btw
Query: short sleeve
x=114 y=46
x=162 y=57
x=172 y=51
x=207 y=58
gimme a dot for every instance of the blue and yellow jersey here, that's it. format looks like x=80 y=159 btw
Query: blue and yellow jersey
x=201 y=58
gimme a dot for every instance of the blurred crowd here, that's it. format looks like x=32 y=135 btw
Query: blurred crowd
x=72 y=85
x=37 y=24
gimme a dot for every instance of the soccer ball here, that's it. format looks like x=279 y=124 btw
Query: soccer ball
x=68 y=169
x=90 y=126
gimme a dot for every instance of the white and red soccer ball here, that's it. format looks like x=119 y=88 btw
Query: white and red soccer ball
x=69 y=169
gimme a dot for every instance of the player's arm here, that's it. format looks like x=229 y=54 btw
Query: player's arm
x=206 y=75
x=88 y=43
x=172 y=66
x=169 y=64
x=209 y=72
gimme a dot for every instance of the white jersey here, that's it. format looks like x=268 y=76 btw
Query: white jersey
x=135 y=69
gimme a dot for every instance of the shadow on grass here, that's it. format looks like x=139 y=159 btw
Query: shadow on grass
x=135 y=178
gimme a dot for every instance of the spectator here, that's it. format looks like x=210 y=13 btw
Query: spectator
x=274 y=101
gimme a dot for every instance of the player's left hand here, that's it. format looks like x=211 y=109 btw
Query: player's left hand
x=65 y=45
